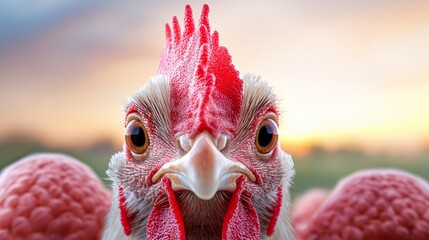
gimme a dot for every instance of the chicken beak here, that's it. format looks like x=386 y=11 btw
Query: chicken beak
x=204 y=170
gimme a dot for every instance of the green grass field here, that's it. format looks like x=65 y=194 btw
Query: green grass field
x=323 y=169
x=319 y=169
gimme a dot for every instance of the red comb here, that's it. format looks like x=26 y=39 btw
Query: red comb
x=206 y=90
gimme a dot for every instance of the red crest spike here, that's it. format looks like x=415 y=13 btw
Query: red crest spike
x=189 y=23
x=206 y=91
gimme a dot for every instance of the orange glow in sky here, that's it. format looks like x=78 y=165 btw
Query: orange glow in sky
x=350 y=73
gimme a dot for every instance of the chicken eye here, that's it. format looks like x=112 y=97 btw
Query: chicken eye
x=136 y=137
x=266 y=137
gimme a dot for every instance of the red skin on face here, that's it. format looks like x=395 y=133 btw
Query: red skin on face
x=51 y=196
x=372 y=204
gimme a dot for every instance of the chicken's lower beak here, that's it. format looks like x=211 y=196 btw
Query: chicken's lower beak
x=204 y=170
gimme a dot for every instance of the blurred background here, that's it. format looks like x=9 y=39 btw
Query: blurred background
x=352 y=76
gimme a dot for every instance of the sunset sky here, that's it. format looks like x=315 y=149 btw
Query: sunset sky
x=348 y=73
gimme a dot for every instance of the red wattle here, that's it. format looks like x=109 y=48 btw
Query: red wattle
x=276 y=212
x=165 y=220
x=125 y=218
x=241 y=219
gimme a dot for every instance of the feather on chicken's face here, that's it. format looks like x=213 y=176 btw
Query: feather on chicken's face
x=201 y=154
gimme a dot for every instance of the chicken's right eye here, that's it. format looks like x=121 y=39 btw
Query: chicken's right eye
x=136 y=137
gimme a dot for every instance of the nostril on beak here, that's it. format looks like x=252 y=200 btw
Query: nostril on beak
x=221 y=142
x=185 y=143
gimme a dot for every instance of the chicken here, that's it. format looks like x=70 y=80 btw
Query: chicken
x=201 y=157
x=51 y=196
x=370 y=204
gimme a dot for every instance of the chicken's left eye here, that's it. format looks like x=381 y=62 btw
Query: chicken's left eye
x=266 y=136
x=136 y=137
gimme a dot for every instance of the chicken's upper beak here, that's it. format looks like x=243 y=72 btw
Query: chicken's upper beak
x=203 y=170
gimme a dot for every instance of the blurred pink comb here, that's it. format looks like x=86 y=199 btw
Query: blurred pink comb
x=370 y=204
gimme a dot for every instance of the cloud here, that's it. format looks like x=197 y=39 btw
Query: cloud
x=20 y=21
